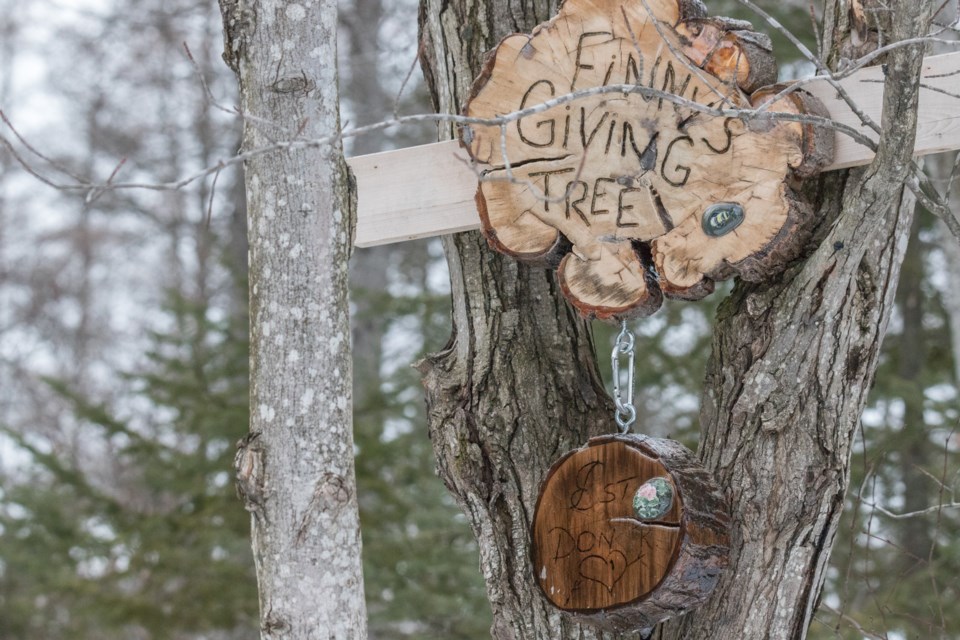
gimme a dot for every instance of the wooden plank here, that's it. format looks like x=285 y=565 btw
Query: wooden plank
x=938 y=126
x=413 y=193
x=429 y=190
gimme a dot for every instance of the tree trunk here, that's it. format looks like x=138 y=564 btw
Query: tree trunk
x=792 y=362
x=295 y=469
x=517 y=386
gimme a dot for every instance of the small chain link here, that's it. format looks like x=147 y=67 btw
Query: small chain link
x=626 y=413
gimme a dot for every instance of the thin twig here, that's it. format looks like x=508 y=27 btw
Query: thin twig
x=233 y=111
x=677 y=54
x=913 y=514
x=29 y=147
x=936 y=531
x=406 y=79
x=817 y=62
x=918 y=180
x=852 y=622
x=930 y=87
x=301 y=144
x=941 y=483
x=27 y=166
x=94 y=193
x=816 y=29
x=920 y=185
x=855 y=66
x=954 y=174
x=923 y=85
x=213 y=192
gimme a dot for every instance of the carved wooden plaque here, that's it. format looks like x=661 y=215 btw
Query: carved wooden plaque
x=629 y=531
x=631 y=195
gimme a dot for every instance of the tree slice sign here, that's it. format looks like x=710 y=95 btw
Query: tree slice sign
x=628 y=531
x=631 y=195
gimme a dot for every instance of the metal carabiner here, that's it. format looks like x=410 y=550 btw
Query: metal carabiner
x=626 y=413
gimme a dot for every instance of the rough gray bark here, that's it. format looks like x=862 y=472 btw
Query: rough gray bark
x=792 y=363
x=295 y=469
x=517 y=386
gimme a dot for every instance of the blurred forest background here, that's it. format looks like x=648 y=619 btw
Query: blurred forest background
x=123 y=356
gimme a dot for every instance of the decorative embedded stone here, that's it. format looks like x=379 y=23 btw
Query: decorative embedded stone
x=628 y=531
x=721 y=219
x=653 y=499
x=619 y=189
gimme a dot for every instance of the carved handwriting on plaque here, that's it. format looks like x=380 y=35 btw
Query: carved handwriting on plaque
x=628 y=531
x=616 y=188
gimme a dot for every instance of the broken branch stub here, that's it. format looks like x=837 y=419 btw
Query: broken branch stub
x=631 y=195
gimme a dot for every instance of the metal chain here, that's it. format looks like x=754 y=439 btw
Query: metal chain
x=626 y=413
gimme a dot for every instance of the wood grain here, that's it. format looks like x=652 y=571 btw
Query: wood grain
x=413 y=193
x=426 y=191
x=595 y=558
x=590 y=551
x=653 y=198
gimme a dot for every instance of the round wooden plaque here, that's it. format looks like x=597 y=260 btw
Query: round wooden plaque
x=628 y=531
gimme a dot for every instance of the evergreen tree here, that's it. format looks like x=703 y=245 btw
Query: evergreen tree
x=893 y=574
x=420 y=559
x=149 y=539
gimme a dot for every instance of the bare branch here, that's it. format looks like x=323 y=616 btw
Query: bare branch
x=856 y=65
x=913 y=514
x=816 y=28
x=213 y=193
x=83 y=184
x=852 y=622
x=53 y=163
x=26 y=165
x=817 y=62
x=406 y=79
x=678 y=54
x=919 y=184
x=212 y=101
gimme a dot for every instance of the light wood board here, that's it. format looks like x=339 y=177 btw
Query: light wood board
x=429 y=190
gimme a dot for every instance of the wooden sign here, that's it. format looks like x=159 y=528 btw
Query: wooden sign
x=399 y=202
x=631 y=195
x=629 y=531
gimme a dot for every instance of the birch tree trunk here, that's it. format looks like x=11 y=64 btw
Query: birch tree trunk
x=295 y=469
x=791 y=366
